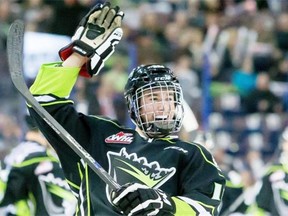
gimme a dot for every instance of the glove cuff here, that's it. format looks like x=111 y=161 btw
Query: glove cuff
x=66 y=51
x=92 y=66
x=76 y=46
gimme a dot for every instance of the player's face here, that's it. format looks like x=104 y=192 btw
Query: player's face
x=157 y=105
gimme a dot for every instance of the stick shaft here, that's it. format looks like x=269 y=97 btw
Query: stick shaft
x=15 y=56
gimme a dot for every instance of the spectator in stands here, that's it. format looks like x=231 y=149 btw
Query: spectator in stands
x=105 y=94
x=281 y=74
x=37 y=15
x=244 y=79
x=6 y=17
x=67 y=15
x=148 y=49
x=281 y=34
x=188 y=78
x=262 y=99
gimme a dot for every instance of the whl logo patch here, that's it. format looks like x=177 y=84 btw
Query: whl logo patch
x=121 y=137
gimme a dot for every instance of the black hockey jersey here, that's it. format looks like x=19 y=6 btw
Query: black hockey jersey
x=273 y=194
x=34 y=174
x=185 y=171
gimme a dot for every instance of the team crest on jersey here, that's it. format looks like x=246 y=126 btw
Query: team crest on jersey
x=131 y=166
x=121 y=137
x=124 y=167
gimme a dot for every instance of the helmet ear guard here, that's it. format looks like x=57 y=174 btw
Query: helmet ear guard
x=151 y=77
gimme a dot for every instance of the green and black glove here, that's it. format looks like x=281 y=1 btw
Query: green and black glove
x=138 y=200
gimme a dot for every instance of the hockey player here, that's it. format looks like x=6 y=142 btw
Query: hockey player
x=35 y=183
x=273 y=196
x=159 y=174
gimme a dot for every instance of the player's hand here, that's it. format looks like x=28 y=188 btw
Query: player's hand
x=96 y=37
x=137 y=199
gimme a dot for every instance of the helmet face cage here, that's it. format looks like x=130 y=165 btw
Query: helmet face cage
x=161 y=114
x=156 y=108
x=154 y=99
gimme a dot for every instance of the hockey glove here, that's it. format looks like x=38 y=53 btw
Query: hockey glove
x=137 y=199
x=96 y=37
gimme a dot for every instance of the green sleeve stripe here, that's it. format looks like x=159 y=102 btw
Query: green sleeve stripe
x=206 y=159
x=107 y=120
x=61 y=192
x=186 y=206
x=55 y=80
x=22 y=208
x=259 y=212
x=284 y=194
x=79 y=170
x=31 y=197
x=183 y=208
x=232 y=185
x=275 y=168
x=204 y=156
x=71 y=184
x=87 y=189
x=81 y=177
x=168 y=139
x=34 y=160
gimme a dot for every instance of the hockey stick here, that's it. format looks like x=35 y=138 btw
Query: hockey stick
x=15 y=43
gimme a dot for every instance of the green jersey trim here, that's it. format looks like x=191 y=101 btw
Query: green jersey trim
x=22 y=208
x=60 y=192
x=277 y=167
x=192 y=209
x=50 y=80
x=183 y=208
x=87 y=189
x=206 y=159
x=34 y=160
x=232 y=185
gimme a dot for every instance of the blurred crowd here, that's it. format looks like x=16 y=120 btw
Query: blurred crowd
x=231 y=57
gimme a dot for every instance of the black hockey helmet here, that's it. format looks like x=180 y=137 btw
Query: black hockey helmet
x=151 y=77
